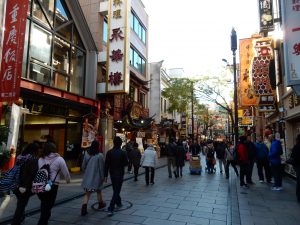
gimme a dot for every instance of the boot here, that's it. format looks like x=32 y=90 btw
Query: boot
x=101 y=205
x=84 y=210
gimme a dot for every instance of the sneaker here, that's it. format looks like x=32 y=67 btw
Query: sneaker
x=245 y=186
x=152 y=183
x=119 y=206
x=110 y=213
x=276 y=188
x=101 y=205
x=279 y=188
x=261 y=181
x=221 y=171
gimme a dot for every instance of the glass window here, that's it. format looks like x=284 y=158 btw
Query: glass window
x=24 y=64
x=143 y=67
x=137 y=61
x=131 y=20
x=40 y=44
x=66 y=32
x=76 y=38
x=61 y=54
x=131 y=56
x=143 y=99
x=136 y=25
x=62 y=15
x=131 y=92
x=60 y=81
x=143 y=35
x=48 y=6
x=38 y=13
x=77 y=71
x=105 y=29
x=39 y=74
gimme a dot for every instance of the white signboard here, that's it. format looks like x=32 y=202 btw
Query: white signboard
x=118 y=45
x=291 y=24
x=14 y=127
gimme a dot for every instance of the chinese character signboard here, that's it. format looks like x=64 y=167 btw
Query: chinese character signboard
x=12 y=54
x=117 y=77
x=266 y=15
x=246 y=91
x=291 y=18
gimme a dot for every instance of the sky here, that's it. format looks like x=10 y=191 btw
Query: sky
x=195 y=34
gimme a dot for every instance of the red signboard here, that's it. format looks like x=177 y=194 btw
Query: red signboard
x=12 y=54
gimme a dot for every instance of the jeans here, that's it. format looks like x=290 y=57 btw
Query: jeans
x=277 y=174
x=179 y=171
x=116 y=182
x=222 y=162
x=136 y=171
x=147 y=171
x=263 y=164
x=249 y=172
x=233 y=164
x=22 y=200
x=244 y=166
x=47 y=202
x=171 y=163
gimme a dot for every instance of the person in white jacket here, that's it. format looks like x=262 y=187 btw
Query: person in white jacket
x=149 y=161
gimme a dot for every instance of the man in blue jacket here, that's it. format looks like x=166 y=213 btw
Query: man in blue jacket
x=262 y=160
x=275 y=161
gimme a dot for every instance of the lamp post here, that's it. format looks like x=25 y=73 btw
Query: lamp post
x=233 y=49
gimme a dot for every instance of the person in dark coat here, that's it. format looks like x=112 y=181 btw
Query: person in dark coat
x=262 y=161
x=135 y=158
x=243 y=160
x=296 y=164
x=179 y=158
x=29 y=161
x=115 y=161
x=171 y=150
x=251 y=148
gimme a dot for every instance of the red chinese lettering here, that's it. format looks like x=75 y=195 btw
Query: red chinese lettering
x=117 y=33
x=296 y=49
x=116 y=56
x=115 y=78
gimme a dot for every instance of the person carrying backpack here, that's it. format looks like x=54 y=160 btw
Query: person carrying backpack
x=220 y=153
x=56 y=165
x=171 y=152
x=28 y=162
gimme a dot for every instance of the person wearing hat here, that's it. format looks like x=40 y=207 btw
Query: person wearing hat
x=149 y=161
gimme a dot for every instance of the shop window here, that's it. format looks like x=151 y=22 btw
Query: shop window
x=48 y=8
x=143 y=99
x=61 y=55
x=77 y=71
x=39 y=74
x=76 y=38
x=66 y=32
x=40 y=44
x=61 y=81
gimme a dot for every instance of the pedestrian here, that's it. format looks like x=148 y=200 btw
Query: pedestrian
x=275 y=162
x=295 y=156
x=93 y=168
x=29 y=165
x=230 y=159
x=220 y=153
x=115 y=161
x=57 y=165
x=251 y=148
x=180 y=157
x=135 y=157
x=129 y=148
x=262 y=161
x=149 y=161
x=195 y=148
x=243 y=160
x=171 y=150
x=210 y=157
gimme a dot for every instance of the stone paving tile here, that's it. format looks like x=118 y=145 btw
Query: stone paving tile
x=162 y=222
x=205 y=215
x=189 y=219
x=175 y=211
x=151 y=214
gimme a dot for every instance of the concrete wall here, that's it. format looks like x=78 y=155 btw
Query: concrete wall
x=155 y=90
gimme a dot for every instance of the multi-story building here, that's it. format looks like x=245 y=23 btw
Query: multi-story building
x=125 y=110
x=58 y=83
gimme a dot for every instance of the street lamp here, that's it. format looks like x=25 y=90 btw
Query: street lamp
x=233 y=49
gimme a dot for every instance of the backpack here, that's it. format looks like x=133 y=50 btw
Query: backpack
x=10 y=179
x=41 y=179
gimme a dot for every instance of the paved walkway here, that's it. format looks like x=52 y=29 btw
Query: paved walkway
x=192 y=199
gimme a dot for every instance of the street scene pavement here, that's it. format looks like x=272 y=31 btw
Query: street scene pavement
x=191 y=199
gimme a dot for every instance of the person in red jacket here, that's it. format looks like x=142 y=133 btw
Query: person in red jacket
x=243 y=160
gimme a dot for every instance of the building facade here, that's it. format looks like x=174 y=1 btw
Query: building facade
x=58 y=84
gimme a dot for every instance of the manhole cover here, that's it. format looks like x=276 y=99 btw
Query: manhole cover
x=126 y=205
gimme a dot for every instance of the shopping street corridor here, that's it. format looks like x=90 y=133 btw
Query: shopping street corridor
x=192 y=199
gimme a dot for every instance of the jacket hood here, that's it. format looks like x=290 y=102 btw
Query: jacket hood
x=52 y=156
x=150 y=148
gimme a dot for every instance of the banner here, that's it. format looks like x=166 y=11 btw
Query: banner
x=89 y=130
x=291 y=26
x=118 y=45
x=12 y=54
x=14 y=125
x=266 y=15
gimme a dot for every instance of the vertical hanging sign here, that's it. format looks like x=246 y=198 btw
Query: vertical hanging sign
x=12 y=54
x=266 y=15
x=291 y=25
x=117 y=77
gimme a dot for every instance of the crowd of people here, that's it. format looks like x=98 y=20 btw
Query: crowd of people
x=266 y=154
